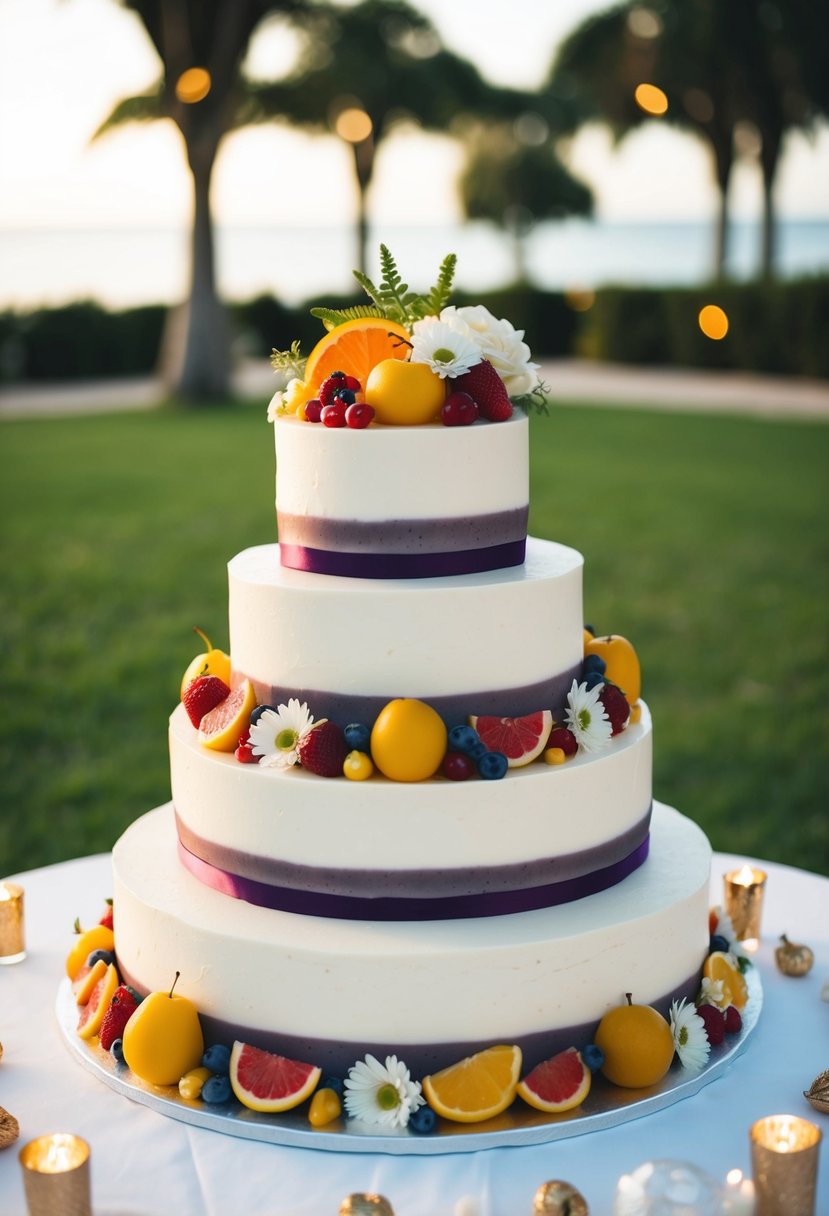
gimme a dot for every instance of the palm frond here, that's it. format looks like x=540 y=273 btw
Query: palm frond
x=145 y=107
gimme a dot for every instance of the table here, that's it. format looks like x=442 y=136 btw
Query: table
x=144 y=1164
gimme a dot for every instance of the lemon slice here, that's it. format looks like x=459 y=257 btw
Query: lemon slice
x=476 y=1088
x=221 y=727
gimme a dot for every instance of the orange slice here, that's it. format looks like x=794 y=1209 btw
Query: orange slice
x=721 y=966
x=92 y=1013
x=476 y=1088
x=221 y=727
x=264 y=1081
x=355 y=347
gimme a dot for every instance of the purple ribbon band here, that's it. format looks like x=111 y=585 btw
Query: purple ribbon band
x=448 y=907
x=403 y=565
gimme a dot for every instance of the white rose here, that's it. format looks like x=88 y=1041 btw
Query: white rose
x=499 y=342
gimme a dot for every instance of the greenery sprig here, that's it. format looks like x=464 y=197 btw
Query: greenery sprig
x=291 y=363
x=537 y=399
x=391 y=298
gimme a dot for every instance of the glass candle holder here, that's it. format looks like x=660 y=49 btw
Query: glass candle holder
x=784 y=1158
x=668 y=1188
x=56 y=1175
x=12 y=940
x=743 y=891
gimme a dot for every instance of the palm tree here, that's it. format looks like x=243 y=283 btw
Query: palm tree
x=201 y=45
x=514 y=183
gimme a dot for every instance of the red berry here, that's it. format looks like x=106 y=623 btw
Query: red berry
x=313 y=410
x=733 y=1020
x=487 y=390
x=323 y=749
x=244 y=753
x=457 y=766
x=352 y=384
x=121 y=1008
x=330 y=386
x=359 y=415
x=106 y=919
x=616 y=707
x=334 y=415
x=714 y=1020
x=458 y=410
x=203 y=694
x=561 y=737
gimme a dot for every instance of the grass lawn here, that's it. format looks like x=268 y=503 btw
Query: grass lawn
x=706 y=545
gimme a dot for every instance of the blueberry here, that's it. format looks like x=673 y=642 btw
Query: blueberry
x=492 y=766
x=463 y=739
x=217 y=1058
x=357 y=737
x=335 y=1083
x=216 y=1090
x=718 y=942
x=592 y=1056
x=116 y=1050
x=594 y=662
x=422 y=1121
x=592 y=678
x=106 y=956
x=345 y=395
x=257 y=713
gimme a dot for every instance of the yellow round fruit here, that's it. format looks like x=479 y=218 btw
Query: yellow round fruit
x=212 y=662
x=622 y=663
x=357 y=766
x=404 y=394
x=99 y=937
x=637 y=1043
x=163 y=1039
x=408 y=741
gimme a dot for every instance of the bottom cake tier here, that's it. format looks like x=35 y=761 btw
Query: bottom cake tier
x=328 y=991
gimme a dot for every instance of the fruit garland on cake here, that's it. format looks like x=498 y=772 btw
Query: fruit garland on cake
x=408 y=740
x=159 y=1039
x=407 y=359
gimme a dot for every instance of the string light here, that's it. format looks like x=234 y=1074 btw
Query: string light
x=651 y=99
x=713 y=322
x=193 y=85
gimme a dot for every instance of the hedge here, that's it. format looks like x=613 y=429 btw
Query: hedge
x=780 y=328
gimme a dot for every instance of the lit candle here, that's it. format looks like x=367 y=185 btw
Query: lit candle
x=738 y=1197
x=56 y=1175
x=12 y=943
x=743 y=892
x=784 y=1156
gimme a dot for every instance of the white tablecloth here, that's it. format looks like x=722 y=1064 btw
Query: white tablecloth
x=144 y=1164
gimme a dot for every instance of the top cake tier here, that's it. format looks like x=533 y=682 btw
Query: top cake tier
x=402 y=502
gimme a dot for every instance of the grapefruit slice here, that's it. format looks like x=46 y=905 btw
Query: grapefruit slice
x=221 y=727
x=476 y=1088
x=92 y=1013
x=262 y=1080
x=558 y=1084
x=519 y=739
x=355 y=347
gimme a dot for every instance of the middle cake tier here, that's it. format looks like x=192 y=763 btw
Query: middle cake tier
x=505 y=642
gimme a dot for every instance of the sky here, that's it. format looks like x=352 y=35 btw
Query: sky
x=63 y=63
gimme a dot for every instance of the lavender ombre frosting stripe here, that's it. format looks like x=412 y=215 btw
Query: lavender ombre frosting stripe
x=391 y=908
x=404 y=536
x=402 y=565
x=453 y=708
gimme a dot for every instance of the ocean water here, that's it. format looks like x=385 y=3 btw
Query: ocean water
x=124 y=267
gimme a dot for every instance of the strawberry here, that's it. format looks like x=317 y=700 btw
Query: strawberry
x=615 y=706
x=121 y=1008
x=106 y=919
x=714 y=1020
x=487 y=390
x=323 y=749
x=733 y=1020
x=203 y=694
x=330 y=387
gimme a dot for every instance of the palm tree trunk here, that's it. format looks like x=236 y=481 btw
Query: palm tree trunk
x=723 y=161
x=769 y=159
x=363 y=153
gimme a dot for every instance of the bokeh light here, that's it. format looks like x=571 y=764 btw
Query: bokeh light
x=713 y=322
x=580 y=299
x=651 y=99
x=644 y=23
x=193 y=85
x=353 y=125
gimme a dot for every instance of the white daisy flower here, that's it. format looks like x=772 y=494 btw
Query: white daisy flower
x=690 y=1039
x=276 y=405
x=447 y=351
x=725 y=928
x=711 y=993
x=586 y=717
x=276 y=735
x=378 y=1093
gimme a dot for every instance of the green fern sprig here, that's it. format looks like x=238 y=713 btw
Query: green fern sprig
x=438 y=297
x=290 y=363
x=332 y=317
x=537 y=399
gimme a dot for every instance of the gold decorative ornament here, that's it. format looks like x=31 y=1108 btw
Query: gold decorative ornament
x=818 y=1093
x=792 y=958
x=9 y=1128
x=559 y=1199
x=365 y=1204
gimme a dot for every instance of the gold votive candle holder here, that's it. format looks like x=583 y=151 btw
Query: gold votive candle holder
x=56 y=1175
x=365 y=1204
x=784 y=1160
x=557 y=1198
x=12 y=939
x=743 y=892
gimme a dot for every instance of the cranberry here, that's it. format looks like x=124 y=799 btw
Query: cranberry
x=561 y=737
x=359 y=415
x=457 y=766
x=334 y=415
x=458 y=410
x=313 y=410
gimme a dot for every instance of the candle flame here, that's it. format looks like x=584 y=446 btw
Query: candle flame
x=745 y=876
